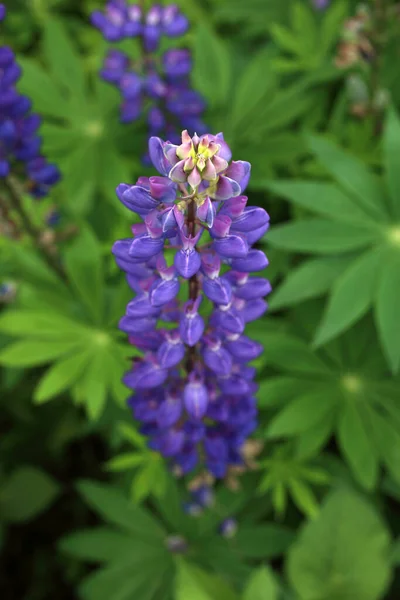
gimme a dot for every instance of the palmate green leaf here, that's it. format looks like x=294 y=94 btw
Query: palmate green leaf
x=311 y=279
x=62 y=375
x=355 y=442
x=325 y=199
x=261 y=586
x=302 y=413
x=352 y=296
x=212 y=66
x=38 y=85
x=32 y=353
x=275 y=391
x=41 y=325
x=321 y=236
x=291 y=353
x=386 y=309
x=83 y=262
x=26 y=493
x=352 y=174
x=310 y=442
x=391 y=148
x=118 y=510
x=342 y=554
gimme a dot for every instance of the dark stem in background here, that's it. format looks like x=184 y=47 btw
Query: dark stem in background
x=34 y=232
x=379 y=20
x=193 y=281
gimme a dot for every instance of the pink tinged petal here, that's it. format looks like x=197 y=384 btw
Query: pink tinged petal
x=255 y=287
x=218 y=290
x=220 y=164
x=163 y=189
x=225 y=151
x=186 y=139
x=225 y=189
x=184 y=150
x=168 y=219
x=177 y=173
x=221 y=226
x=206 y=212
x=210 y=173
x=139 y=229
x=234 y=207
x=240 y=172
x=157 y=156
x=231 y=246
x=195 y=397
x=145 y=247
x=170 y=153
x=201 y=163
x=194 y=178
x=210 y=265
x=154 y=224
x=189 y=165
x=254 y=261
x=179 y=216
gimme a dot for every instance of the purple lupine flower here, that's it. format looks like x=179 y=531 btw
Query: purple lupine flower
x=321 y=4
x=19 y=142
x=194 y=389
x=162 y=87
x=228 y=528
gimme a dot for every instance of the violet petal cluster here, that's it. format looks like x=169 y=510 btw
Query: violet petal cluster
x=193 y=389
x=20 y=144
x=161 y=85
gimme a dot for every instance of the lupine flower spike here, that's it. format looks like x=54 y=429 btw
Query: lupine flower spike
x=162 y=85
x=194 y=392
x=20 y=145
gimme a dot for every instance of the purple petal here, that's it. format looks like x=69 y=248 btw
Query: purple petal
x=163 y=291
x=187 y=263
x=226 y=188
x=218 y=290
x=177 y=172
x=255 y=287
x=231 y=246
x=253 y=217
x=136 y=198
x=229 y=320
x=170 y=354
x=221 y=226
x=254 y=261
x=145 y=376
x=132 y=325
x=163 y=189
x=140 y=307
x=191 y=328
x=219 y=361
x=169 y=412
x=146 y=247
x=234 y=385
x=253 y=310
x=253 y=236
x=244 y=349
x=240 y=172
x=195 y=396
x=157 y=157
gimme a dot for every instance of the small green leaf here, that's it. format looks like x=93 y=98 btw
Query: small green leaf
x=386 y=310
x=196 y=584
x=124 y=462
x=36 y=83
x=263 y=541
x=285 y=38
x=103 y=544
x=62 y=375
x=302 y=413
x=303 y=497
x=130 y=434
x=352 y=296
x=26 y=493
x=292 y=354
x=262 y=586
x=212 y=66
x=320 y=236
x=41 y=325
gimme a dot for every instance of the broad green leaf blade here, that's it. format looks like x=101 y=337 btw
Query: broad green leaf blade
x=310 y=442
x=386 y=436
x=31 y=353
x=319 y=236
x=62 y=375
x=293 y=354
x=331 y=24
x=352 y=296
x=41 y=325
x=391 y=147
x=262 y=586
x=103 y=544
x=387 y=308
x=117 y=509
x=84 y=266
x=212 y=66
x=64 y=62
x=26 y=493
x=311 y=279
x=125 y=462
x=279 y=390
x=303 y=497
x=46 y=96
x=343 y=554
x=352 y=174
x=325 y=199
x=355 y=442
x=303 y=413
x=96 y=382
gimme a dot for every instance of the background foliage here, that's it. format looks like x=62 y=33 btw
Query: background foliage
x=97 y=514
